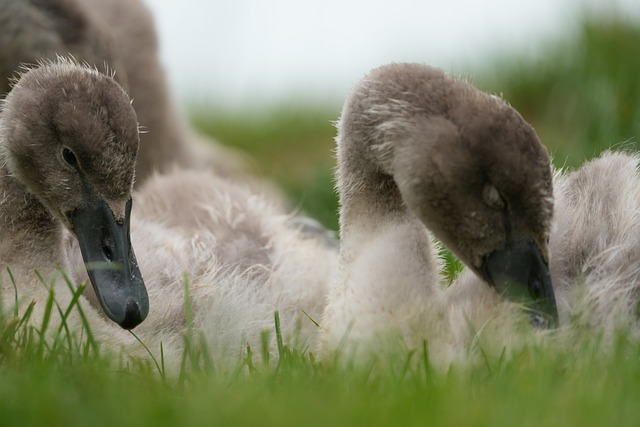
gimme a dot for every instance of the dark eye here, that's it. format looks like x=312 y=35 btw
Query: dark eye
x=69 y=157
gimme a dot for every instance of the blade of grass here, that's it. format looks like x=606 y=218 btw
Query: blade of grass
x=309 y=317
x=281 y=351
x=86 y=327
x=159 y=366
x=426 y=362
x=15 y=292
x=266 y=354
x=45 y=323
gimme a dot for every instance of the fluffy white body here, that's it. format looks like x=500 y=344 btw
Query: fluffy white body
x=411 y=161
x=596 y=245
x=388 y=287
x=67 y=131
x=242 y=259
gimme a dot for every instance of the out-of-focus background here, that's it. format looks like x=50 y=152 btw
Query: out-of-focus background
x=269 y=77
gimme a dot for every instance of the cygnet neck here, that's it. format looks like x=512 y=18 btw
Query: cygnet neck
x=30 y=227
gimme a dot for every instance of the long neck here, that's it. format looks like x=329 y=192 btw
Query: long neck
x=376 y=224
x=387 y=262
x=29 y=236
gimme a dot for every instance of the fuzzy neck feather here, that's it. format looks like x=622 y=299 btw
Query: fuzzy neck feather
x=29 y=236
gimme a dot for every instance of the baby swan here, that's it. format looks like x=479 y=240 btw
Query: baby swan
x=114 y=36
x=68 y=145
x=417 y=148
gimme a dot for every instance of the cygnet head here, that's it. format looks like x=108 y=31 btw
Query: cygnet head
x=70 y=135
x=466 y=164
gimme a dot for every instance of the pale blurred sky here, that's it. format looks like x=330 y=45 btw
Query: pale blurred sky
x=243 y=53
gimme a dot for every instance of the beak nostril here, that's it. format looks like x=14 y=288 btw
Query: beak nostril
x=107 y=249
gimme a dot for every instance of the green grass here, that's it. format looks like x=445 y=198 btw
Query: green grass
x=537 y=386
x=66 y=385
x=291 y=145
x=582 y=95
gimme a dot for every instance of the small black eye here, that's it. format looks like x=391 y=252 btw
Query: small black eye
x=69 y=157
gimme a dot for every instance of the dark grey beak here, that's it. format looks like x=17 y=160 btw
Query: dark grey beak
x=520 y=273
x=113 y=270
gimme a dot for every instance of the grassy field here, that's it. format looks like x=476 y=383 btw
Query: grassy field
x=582 y=96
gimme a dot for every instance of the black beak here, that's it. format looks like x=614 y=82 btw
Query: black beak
x=520 y=273
x=113 y=270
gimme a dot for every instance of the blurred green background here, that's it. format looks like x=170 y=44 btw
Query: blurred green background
x=581 y=93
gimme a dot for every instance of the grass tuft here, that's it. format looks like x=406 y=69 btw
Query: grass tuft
x=545 y=385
